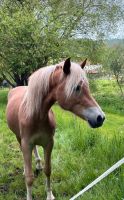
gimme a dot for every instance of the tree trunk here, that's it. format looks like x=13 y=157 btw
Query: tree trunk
x=21 y=80
x=4 y=77
x=119 y=85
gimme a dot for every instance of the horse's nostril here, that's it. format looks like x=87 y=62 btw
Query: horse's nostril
x=99 y=119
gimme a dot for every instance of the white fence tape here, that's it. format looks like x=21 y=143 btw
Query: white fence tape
x=111 y=169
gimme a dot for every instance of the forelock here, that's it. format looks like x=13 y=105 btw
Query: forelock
x=76 y=75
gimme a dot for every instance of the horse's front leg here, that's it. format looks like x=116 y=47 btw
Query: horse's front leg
x=47 y=169
x=29 y=177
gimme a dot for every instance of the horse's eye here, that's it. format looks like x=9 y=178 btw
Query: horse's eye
x=78 y=88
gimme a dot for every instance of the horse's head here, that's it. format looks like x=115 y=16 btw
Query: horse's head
x=73 y=94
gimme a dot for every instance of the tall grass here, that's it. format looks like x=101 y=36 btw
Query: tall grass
x=79 y=156
x=108 y=95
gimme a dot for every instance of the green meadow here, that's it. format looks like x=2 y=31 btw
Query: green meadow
x=79 y=156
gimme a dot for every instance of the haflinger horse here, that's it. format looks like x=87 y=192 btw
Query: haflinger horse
x=30 y=117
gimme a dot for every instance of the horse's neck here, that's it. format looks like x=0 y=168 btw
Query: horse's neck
x=50 y=98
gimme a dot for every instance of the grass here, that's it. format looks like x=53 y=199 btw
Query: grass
x=79 y=156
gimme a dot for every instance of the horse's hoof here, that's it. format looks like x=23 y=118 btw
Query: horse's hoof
x=50 y=196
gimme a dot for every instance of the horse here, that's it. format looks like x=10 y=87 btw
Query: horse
x=30 y=118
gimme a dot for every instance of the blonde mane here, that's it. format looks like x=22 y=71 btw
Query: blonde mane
x=38 y=86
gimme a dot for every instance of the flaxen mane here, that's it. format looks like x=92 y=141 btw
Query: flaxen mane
x=39 y=85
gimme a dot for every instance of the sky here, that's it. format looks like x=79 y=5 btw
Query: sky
x=119 y=33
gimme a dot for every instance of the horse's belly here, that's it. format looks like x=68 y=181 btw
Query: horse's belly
x=14 y=101
x=12 y=117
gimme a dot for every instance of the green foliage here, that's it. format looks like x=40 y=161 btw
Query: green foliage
x=35 y=33
x=114 y=61
x=87 y=48
x=28 y=39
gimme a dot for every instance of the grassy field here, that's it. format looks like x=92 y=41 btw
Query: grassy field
x=79 y=156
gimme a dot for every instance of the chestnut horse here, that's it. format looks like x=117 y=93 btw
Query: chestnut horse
x=30 y=117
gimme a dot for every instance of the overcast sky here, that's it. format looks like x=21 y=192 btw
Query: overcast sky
x=119 y=33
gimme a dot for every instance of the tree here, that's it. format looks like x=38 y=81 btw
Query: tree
x=115 y=63
x=24 y=46
x=35 y=33
x=80 y=49
x=26 y=42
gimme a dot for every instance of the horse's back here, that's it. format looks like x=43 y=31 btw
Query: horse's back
x=17 y=91
x=15 y=98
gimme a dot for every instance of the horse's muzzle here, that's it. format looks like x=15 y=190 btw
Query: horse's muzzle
x=94 y=116
x=98 y=122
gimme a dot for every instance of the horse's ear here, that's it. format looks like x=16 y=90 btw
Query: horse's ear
x=67 y=65
x=83 y=63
